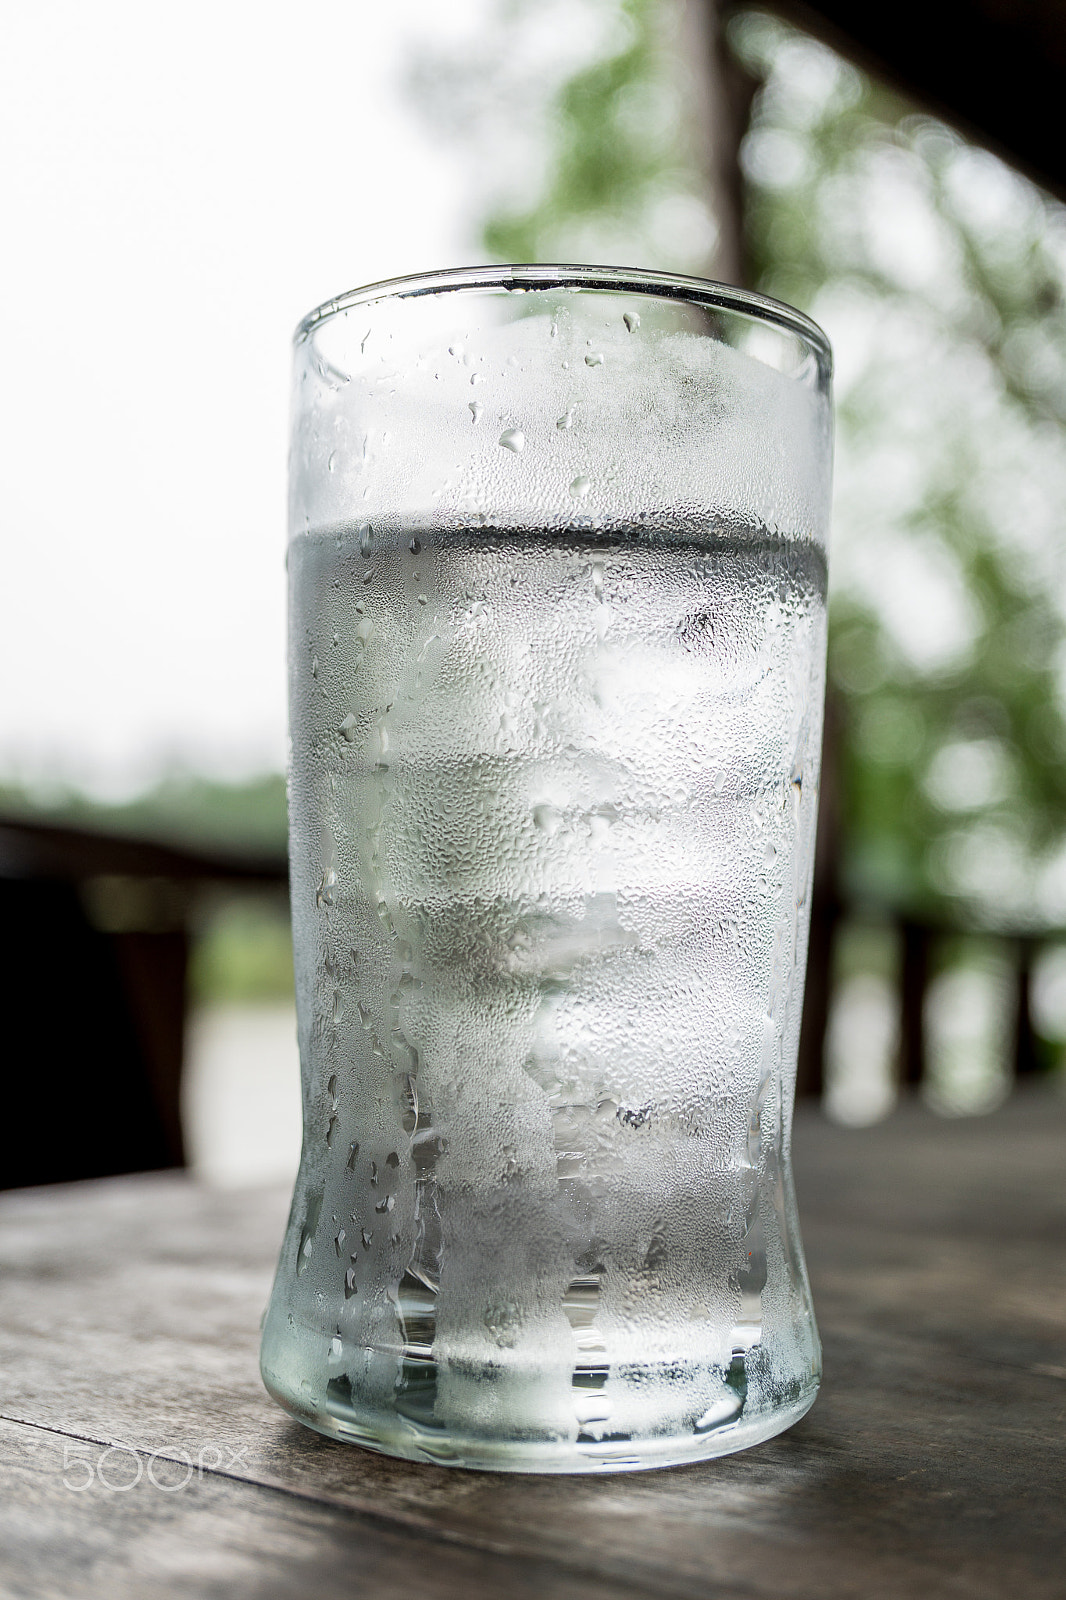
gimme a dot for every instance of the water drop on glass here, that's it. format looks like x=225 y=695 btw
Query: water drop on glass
x=307 y=1245
x=513 y=439
x=631 y=320
x=595 y=359
x=476 y=408
x=348 y=727
x=547 y=819
x=580 y=487
x=324 y=894
x=567 y=418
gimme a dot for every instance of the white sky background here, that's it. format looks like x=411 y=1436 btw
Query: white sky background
x=177 y=187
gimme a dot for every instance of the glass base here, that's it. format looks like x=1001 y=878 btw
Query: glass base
x=392 y=1435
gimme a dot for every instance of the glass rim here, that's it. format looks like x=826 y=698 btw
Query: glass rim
x=622 y=280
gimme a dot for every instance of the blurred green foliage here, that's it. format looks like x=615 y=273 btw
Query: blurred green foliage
x=242 y=944
x=616 y=154
x=939 y=275
x=247 y=820
x=578 y=122
x=243 y=952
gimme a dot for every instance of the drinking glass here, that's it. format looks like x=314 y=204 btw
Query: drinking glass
x=557 y=590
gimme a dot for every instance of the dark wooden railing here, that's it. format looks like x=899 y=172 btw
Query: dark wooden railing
x=94 y=945
x=917 y=943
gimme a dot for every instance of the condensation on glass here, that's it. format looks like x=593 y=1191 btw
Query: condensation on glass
x=557 y=595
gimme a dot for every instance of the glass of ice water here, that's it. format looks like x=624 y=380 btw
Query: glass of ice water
x=557 y=594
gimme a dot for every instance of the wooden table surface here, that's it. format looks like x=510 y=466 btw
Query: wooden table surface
x=933 y=1463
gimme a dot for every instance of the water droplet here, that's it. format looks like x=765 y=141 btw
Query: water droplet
x=353 y=1156
x=368 y=1238
x=547 y=819
x=724 y=1410
x=476 y=408
x=595 y=359
x=336 y=1348
x=475 y=377
x=314 y=666
x=373 y=1174
x=332 y=462
x=409 y=1104
x=386 y=1203
x=330 y=1131
x=580 y=487
x=513 y=439
x=331 y=1089
x=366 y=540
x=567 y=418
x=307 y=1245
x=631 y=320
x=392 y=1160
x=324 y=894
x=338 y=1242
x=349 y=1283
x=414 y=547
x=455 y=349
x=348 y=727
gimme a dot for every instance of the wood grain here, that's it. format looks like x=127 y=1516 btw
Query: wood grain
x=933 y=1463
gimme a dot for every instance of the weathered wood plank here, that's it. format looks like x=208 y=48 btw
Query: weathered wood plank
x=214 y=1538
x=932 y=1463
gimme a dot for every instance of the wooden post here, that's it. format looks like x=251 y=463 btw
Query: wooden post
x=1026 y=1055
x=718 y=94
x=913 y=983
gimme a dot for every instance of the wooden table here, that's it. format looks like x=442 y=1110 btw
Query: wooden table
x=933 y=1464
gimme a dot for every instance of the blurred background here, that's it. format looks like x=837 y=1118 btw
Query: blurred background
x=181 y=187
